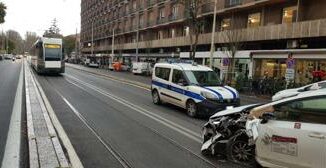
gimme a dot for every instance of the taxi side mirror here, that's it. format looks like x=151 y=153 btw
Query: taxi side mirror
x=267 y=116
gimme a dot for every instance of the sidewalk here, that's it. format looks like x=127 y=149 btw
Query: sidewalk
x=45 y=150
x=144 y=81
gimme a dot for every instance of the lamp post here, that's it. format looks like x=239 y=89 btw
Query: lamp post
x=92 y=45
x=213 y=37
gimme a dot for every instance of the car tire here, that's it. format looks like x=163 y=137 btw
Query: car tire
x=191 y=108
x=156 y=97
x=239 y=152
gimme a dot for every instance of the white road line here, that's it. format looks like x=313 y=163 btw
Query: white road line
x=176 y=127
x=82 y=119
x=11 y=156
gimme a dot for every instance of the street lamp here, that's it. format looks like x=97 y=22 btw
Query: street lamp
x=92 y=44
x=213 y=37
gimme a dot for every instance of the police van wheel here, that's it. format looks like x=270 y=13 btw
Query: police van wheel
x=156 y=97
x=191 y=108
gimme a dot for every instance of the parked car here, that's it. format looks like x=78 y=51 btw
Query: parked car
x=141 y=68
x=1 y=57
x=193 y=87
x=282 y=133
x=296 y=91
x=293 y=134
x=8 y=56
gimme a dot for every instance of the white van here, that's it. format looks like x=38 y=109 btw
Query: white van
x=193 y=87
x=141 y=68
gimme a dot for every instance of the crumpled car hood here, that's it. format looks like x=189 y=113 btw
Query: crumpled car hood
x=233 y=111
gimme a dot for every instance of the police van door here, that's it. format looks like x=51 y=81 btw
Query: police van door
x=178 y=87
x=162 y=82
x=296 y=137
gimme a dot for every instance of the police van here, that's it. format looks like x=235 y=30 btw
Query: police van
x=193 y=87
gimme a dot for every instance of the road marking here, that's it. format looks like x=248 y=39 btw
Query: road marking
x=176 y=127
x=11 y=156
x=109 y=148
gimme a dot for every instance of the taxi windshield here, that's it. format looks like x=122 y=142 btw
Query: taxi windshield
x=203 y=78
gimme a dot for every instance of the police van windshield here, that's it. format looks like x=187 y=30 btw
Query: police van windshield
x=203 y=78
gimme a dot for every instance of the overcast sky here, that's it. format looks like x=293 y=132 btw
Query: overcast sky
x=36 y=15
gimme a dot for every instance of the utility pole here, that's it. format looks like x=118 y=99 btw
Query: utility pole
x=213 y=37
x=7 y=42
x=76 y=47
x=92 y=49
x=113 y=34
x=137 y=40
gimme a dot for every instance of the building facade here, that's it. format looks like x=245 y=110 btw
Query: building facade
x=159 y=27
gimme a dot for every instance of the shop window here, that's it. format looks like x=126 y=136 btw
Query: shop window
x=289 y=14
x=254 y=20
x=226 y=24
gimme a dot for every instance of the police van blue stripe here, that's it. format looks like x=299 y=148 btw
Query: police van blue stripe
x=233 y=93
x=220 y=97
x=179 y=90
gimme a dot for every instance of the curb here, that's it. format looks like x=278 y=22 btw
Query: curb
x=55 y=131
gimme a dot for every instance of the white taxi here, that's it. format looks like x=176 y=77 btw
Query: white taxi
x=193 y=87
x=293 y=92
x=291 y=132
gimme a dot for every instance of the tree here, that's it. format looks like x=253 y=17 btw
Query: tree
x=2 y=12
x=233 y=42
x=17 y=46
x=53 y=31
x=30 y=39
x=193 y=22
x=69 y=44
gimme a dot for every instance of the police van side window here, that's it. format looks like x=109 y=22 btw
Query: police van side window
x=178 y=77
x=311 y=110
x=163 y=73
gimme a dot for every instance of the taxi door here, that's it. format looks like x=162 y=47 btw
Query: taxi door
x=296 y=137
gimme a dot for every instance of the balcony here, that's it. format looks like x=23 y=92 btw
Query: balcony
x=316 y=28
x=206 y=8
x=305 y=29
x=232 y=3
x=151 y=3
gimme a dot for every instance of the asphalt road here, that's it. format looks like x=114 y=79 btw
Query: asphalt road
x=112 y=124
x=9 y=76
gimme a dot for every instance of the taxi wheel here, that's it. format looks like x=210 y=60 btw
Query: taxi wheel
x=191 y=108
x=240 y=152
x=156 y=97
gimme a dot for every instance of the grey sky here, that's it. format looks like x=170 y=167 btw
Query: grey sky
x=36 y=15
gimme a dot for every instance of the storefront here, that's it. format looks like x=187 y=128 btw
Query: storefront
x=273 y=64
x=221 y=61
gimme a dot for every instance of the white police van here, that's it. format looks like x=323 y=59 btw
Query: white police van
x=193 y=87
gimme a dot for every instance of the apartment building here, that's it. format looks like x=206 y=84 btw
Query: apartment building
x=272 y=30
